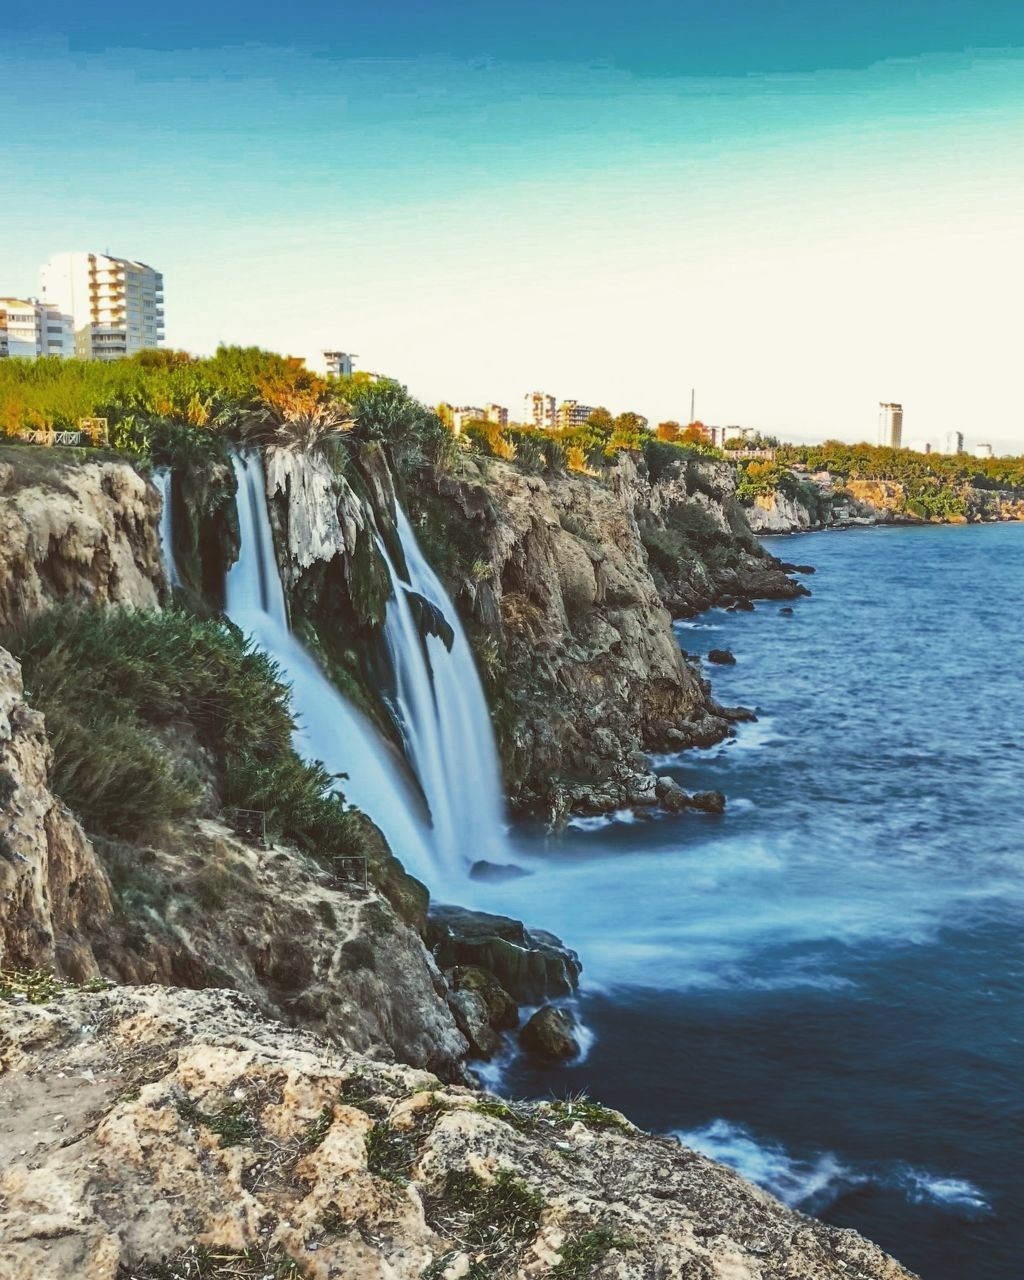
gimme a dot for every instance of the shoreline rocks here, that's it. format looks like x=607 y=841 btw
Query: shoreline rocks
x=549 y=1035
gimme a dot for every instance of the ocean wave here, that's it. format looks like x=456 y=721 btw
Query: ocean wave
x=814 y=1184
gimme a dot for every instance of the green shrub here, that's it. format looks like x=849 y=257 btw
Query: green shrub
x=119 y=686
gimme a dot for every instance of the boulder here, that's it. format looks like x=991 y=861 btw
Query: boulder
x=723 y=657
x=549 y=1035
x=496 y=871
x=708 y=801
x=676 y=800
x=471 y=1018
x=502 y=1010
x=531 y=966
x=672 y=796
x=786 y=611
x=744 y=605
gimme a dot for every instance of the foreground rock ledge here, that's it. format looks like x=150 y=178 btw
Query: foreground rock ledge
x=140 y=1125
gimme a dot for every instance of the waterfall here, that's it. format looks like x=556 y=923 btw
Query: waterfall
x=329 y=728
x=162 y=478
x=443 y=716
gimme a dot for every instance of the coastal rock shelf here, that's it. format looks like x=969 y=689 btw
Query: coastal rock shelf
x=262 y=1145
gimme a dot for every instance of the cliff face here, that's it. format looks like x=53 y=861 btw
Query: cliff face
x=54 y=895
x=264 y=1148
x=574 y=640
x=75 y=532
x=565 y=581
x=698 y=540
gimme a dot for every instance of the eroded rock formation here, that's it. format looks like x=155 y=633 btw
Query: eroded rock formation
x=184 y=1126
x=54 y=895
x=75 y=532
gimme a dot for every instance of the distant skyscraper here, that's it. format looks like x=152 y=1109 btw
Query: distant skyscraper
x=539 y=410
x=890 y=425
x=116 y=305
x=955 y=442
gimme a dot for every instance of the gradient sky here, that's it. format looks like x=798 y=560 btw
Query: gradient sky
x=798 y=208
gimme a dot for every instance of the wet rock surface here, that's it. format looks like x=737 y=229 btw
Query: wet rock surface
x=550 y=1035
x=530 y=965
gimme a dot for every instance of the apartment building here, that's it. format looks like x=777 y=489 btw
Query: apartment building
x=955 y=442
x=890 y=425
x=116 y=305
x=337 y=364
x=29 y=328
x=496 y=413
x=573 y=414
x=539 y=410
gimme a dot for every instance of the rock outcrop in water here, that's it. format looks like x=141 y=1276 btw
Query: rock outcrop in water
x=147 y=1132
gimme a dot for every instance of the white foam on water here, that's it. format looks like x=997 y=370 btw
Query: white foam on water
x=815 y=1183
x=598 y=821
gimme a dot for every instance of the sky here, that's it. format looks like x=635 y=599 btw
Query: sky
x=798 y=209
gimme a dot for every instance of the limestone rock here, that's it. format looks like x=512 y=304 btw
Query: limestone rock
x=721 y=656
x=529 y=964
x=53 y=891
x=549 y=1035
x=76 y=532
x=471 y=1015
x=502 y=1010
x=182 y=1119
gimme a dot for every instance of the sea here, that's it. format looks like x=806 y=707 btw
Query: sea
x=824 y=987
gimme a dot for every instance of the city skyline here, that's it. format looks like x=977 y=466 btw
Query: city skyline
x=797 y=236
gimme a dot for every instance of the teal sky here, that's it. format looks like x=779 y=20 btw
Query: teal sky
x=798 y=228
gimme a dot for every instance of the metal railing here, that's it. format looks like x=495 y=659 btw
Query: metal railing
x=354 y=869
x=251 y=824
x=49 y=438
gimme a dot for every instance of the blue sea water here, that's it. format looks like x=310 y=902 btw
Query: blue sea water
x=825 y=986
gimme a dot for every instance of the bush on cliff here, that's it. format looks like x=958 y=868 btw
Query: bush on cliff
x=145 y=710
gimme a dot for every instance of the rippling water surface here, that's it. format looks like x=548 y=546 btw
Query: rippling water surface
x=824 y=986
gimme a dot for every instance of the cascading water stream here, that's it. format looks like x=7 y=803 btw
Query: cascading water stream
x=330 y=729
x=165 y=530
x=444 y=718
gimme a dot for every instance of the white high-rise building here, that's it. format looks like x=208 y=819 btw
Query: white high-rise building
x=30 y=328
x=890 y=425
x=116 y=305
x=955 y=442
x=539 y=410
x=983 y=451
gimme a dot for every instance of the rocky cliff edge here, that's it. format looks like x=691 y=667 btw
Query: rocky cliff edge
x=149 y=1132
